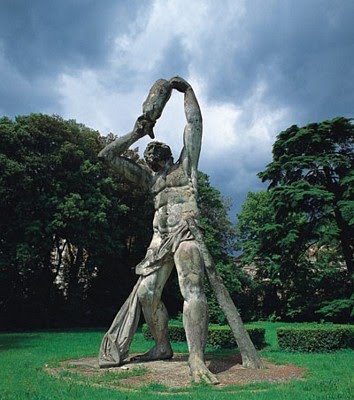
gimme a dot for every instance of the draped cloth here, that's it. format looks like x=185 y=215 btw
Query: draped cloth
x=168 y=246
x=116 y=342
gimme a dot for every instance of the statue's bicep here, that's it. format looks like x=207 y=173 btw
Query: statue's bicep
x=132 y=172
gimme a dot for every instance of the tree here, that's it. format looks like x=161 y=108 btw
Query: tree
x=219 y=232
x=299 y=234
x=65 y=222
x=283 y=284
x=312 y=174
x=255 y=240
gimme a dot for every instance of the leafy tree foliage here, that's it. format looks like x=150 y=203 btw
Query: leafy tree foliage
x=219 y=234
x=253 y=235
x=64 y=221
x=312 y=174
x=298 y=236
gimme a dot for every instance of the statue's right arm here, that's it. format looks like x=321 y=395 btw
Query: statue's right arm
x=153 y=106
x=128 y=169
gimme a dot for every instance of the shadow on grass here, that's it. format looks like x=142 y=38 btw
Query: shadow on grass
x=11 y=341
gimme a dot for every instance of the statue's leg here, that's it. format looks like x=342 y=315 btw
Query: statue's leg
x=189 y=266
x=155 y=313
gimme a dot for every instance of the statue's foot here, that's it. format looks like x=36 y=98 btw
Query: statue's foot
x=200 y=372
x=161 y=352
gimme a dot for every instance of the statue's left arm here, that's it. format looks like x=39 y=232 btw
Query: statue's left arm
x=192 y=137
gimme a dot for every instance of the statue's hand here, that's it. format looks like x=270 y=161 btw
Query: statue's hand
x=144 y=126
x=179 y=84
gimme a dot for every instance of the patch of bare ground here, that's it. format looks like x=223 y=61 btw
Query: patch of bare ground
x=174 y=373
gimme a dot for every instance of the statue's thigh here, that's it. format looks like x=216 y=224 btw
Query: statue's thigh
x=190 y=267
x=152 y=285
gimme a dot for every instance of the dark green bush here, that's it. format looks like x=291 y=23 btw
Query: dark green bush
x=218 y=336
x=222 y=337
x=316 y=338
x=176 y=332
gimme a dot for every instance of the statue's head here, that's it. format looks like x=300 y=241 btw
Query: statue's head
x=157 y=155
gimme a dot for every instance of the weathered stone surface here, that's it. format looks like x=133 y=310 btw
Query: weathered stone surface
x=177 y=242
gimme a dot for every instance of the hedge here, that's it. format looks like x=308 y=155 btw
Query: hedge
x=316 y=338
x=218 y=336
x=176 y=332
x=222 y=336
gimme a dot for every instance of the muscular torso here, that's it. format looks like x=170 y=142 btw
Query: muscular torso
x=174 y=199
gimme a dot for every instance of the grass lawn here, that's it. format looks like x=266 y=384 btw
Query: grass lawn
x=24 y=355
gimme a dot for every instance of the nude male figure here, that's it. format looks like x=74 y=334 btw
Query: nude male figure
x=174 y=186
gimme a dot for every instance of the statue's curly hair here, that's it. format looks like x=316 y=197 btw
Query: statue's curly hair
x=158 y=149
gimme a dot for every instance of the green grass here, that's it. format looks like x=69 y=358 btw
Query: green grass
x=24 y=355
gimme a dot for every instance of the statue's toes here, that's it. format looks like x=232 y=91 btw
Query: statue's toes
x=204 y=376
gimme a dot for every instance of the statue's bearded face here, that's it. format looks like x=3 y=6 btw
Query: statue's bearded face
x=156 y=155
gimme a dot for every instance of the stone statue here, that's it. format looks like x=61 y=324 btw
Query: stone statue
x=176 y=242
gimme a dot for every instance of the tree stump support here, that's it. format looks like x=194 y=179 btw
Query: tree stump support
x=250 y=358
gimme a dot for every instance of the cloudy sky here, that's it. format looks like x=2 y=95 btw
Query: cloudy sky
x=257 y=67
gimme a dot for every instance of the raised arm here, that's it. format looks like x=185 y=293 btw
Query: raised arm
x=152 y=109
x=116 y=148
x=125 y=167
x=192 y=137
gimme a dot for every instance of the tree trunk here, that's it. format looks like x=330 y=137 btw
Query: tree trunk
x=345 y=231
x=345 y=237
x=250 y=358
x=74 y=294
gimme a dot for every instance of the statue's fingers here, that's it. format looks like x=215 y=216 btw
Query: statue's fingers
x=151 y=134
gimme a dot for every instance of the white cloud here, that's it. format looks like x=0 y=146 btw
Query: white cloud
x=246 y=146
x=85 y=97
x=237 y=135
x=142 y=48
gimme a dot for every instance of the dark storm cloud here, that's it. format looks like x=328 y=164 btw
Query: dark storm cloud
x=39 y=39
x=260 y=66
x=236 y=180
x=302 y=50
x=43 y=36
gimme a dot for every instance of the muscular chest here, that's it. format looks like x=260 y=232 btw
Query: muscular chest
x=174 y=178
